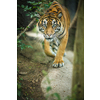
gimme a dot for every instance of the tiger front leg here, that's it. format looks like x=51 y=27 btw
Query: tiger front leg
x=48 y=51
x=58 y=62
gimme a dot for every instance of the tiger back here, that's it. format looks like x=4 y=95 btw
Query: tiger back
x=54 y=25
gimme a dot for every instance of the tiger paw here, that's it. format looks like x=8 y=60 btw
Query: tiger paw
x=59 y=63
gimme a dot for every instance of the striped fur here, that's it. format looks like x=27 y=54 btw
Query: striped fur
x=54 y=25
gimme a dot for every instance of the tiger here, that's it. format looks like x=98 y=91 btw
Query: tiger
x=54 y=25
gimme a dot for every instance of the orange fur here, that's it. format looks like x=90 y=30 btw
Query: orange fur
x=47 y=49
x=65 y=22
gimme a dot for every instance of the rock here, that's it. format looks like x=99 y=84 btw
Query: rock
x=33 y=81
x=36 y=80
x=60 y=80
x=70 y=55
x=36 y=53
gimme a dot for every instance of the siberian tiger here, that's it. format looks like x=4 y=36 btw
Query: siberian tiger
x=54 y=25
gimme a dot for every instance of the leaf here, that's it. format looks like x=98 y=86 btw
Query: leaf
x=57 y=95
x=48 y=88
x=44 y=72
x=34 y=7
x=31 y=16
x=68 y=98
x=27 y=14
x=34 y=25
x=28 y=27
x=22 y=6
x=18 y=5
x=17 y=69
x=20 y=28
x=31 y=99
x=19 y=86
x=39 y=2
x=28 y=46
x=36 y=20
x=18 y=93
x=21 y=78
x=48 y=80
x=75 y=87
x=31 y=2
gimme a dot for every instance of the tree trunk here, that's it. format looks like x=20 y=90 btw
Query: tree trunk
x=78 y=69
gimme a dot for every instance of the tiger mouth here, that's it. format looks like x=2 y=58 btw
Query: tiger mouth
x=48 y=38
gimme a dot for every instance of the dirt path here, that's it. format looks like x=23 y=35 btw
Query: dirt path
x=30 y=76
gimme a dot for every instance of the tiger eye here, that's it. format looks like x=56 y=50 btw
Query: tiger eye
x=54 y=22
x=44 y=22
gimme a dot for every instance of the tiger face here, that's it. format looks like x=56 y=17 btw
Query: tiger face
x=50 y=25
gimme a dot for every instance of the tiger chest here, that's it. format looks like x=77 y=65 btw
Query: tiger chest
x=54 y=45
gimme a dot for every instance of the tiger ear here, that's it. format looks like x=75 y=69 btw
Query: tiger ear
x=60 y=15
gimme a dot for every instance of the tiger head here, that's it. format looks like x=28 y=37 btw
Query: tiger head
x=50 y=24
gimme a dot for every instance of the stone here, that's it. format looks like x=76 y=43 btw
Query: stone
x=60 y=80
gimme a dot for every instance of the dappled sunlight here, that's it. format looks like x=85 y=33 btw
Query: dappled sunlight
x=35 y=35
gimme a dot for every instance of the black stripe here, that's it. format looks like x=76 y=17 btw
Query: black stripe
x=49 y=10
x=58 y=65
x=39 y=23
x=59 y=24
x=48 y=38
x=54 y=3
x=58 y=9
x=50 y=45
x=54 y=49
x=55 y=44
x=55 y=12
x=62 y=33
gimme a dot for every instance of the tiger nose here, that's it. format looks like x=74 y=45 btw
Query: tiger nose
x=49 y=34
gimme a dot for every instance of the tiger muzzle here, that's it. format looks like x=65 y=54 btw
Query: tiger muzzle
x=49 y=37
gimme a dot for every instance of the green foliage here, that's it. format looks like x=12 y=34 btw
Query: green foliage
x=19 y=89
x=21 y=28
x=48 y=80
x=22 y=45
x=48 y=88
x=37 y=6
x=21 y=78
x=43 y=44
x=56 y=95
x=19 y=41
x=47 y=5
x=34 y=3
x=31 y=99
x=44 y=72
x=28 y=27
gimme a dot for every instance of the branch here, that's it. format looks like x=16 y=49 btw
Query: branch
x=29 y=25
x=73 y=21
x=75 y=17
